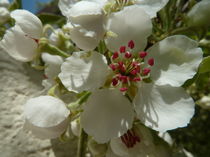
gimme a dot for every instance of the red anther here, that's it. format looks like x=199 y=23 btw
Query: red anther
x=123 y=89
x=134 y=72
x=113 y=67
x=134 y=64
x=124 y=141
x=120 y=63
x=114 y=81
x=137 y=139
x=146 y=71
x=115 y=55
x=142 y=54
x=151 y=61
x=136 y=79
x=121 y=66
x=128 y=55
x=131 y=44
x=122 y=78
x=138 y=68
x=122 y=49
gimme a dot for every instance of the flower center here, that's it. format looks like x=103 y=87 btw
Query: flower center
x=130 y=139
x=128 y=67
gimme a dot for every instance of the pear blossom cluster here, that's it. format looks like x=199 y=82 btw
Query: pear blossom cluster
x=116 y=95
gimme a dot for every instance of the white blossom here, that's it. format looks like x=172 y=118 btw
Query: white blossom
x=155 y=101
x=20 y=41
x=46 y=116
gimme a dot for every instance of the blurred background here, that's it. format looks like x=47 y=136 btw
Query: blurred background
x=34 y=5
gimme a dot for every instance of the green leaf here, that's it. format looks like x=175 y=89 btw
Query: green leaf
x=48 y=18
x=205 y=65
x=16 y=4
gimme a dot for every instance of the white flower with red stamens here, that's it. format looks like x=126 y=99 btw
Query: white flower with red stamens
x=53 y=64
x=158 y=73
x=87 y=20
x=153 y=102
x=46 y=116
x=137 y=142
x=20 y=41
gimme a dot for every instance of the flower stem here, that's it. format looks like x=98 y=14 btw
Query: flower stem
x=82 y=144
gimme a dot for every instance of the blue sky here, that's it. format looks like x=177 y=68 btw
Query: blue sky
x=31 y=4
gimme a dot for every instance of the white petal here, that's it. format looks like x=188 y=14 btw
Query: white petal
x=163 y=107
x=80 y=72
x=86 y=39
x=18 y=45
x=110 y=153
x=84 y=8
x=46 y=116
x=87 y=20
x=107 y=114
x=65 y=5
x=132 y=23
x=28 y=22
x=176 y=60
x=4 y=14
x=151 y=7
x=75 y=127
x=53 y=63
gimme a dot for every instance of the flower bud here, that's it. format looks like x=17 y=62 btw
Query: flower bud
x=198 y=16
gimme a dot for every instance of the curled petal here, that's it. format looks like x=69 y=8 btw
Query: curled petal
x=46 y=116
x=65 y=5
x=80 y=72
x=53 y=64
x=107 y=114
x=28 y=22
x=18 y=45
x=87 y=20
x=134 y=24
x=176 y=60
x=163 y=107
x=151 y=7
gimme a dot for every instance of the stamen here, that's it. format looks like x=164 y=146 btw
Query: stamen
x=151 y=61
x=146 y=71
x=130 y=139
x=115 y=55
x=128 y=55
x=127 y=68
x=113 y=67
x=122 y=49
x=131 y=44
x=142 y=54
x=123 y=89
x=114 y=81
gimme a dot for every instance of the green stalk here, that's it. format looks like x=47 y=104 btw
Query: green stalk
x=82 y=144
